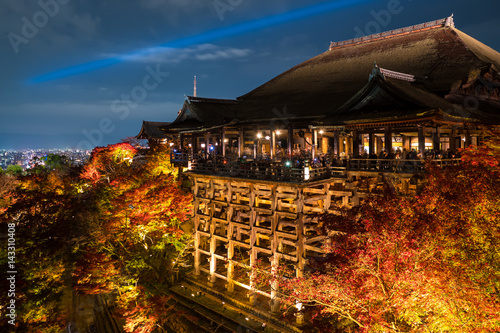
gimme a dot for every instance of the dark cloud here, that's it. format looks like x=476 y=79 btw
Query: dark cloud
x=81 y=31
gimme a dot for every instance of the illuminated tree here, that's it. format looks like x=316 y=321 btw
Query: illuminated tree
x=116 y=226
x=45 y=210
x=140 y=241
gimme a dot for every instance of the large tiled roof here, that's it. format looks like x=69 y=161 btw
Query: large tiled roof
x=440 y=57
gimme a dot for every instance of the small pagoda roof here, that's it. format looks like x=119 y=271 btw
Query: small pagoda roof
x=199 y=113
x=151 y=130
x=394 y=98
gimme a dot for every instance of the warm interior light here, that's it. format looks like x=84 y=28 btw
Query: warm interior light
x=267 y=137
x=321 y=132
x=171 y=144
x=202 y=145
x=226 y=140
x=278 y=132
x=259 y=135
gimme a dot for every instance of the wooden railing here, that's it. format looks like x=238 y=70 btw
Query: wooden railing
x=279 y=171
x=270 y=171
x=394 y=165
x=180 y=157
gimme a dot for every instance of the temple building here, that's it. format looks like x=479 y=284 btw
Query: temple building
x=151 y=132
x=323 y=135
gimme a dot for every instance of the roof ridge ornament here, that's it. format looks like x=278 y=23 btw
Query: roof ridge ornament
x=398 y=75
x=376 y=71
x=444 y=22
x=449 y=22
x=385 y=73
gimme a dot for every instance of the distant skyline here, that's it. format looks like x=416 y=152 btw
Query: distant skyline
x=140 y=57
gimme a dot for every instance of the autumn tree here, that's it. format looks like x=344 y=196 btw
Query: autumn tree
x=140 y=241
x=410 y=264
x=117 y=225
x=45 y=209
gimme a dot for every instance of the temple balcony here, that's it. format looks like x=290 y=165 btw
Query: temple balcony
x=297 y=171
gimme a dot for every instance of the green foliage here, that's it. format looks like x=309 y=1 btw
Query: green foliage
x=15 y=170
x=55 y=161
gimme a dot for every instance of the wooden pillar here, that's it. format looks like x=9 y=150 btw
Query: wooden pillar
x=213 y=262
x=436 y=139
x=407 y=143
x=197 y=254
x=371 y=143
x=315 y=142
x=355 y=144
x=348 y=146
x=290 y=139
x=223 y=141
x=230 y=266
x=207 y=150
x=255 y=143
x=388 y=139
x=324 y=144
x=181 y=141
x=421 y=140
x=342 y=140
x=300 y=244
x=273 y=143
x=453 y=135
x=468 y=140
x=241 y=142
x=275 y=301
x=336 y=143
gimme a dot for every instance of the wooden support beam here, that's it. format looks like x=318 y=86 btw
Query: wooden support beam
x=436 y=139
x=315 y=143
x=336 y=143
x=371 y=143
x=207 y=145
x=468 y=140
x=255 y=142
x=421 y=140
x=388 y=140
x=273 y=143
x=223 y=141
x=241 y=142
x=355 y=144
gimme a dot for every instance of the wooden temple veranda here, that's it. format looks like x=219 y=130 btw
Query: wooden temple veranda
x=322 y=135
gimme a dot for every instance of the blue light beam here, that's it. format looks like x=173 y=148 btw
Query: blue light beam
x=205 y=37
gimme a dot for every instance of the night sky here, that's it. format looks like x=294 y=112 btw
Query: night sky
x=68 y=66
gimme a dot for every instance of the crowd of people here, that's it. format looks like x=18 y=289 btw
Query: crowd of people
x=302 y=158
